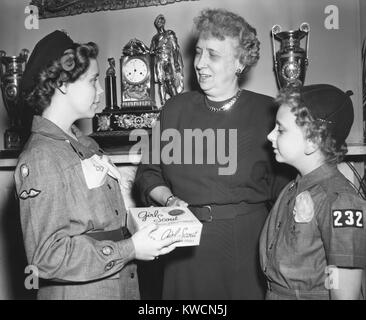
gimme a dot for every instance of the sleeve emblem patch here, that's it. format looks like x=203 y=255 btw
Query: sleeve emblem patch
x=32 y=193
x=343 y=218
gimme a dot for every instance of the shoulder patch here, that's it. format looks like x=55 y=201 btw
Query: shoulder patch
x=343 y=218
x=32 y=193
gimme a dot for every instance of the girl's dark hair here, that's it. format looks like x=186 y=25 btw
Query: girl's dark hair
x=67 y=69
x=316 y=130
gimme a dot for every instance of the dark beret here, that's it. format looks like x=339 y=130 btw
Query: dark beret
x=330 y=104
x=48 y=49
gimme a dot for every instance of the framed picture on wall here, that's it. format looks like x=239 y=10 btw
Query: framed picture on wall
x=55 y=8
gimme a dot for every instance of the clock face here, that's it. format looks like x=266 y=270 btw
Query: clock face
x=137 y=88
x=135 y=70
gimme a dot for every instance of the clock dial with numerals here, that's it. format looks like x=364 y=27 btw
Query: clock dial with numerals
x=135 y=70
x=137 y=88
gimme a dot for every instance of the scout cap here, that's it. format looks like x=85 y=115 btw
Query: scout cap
x=330 y=104
x=48 y=49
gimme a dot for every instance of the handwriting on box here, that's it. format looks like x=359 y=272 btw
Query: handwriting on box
x=173 y=223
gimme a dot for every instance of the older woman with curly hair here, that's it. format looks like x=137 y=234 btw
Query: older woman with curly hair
x=231 y=201
x=71 y=207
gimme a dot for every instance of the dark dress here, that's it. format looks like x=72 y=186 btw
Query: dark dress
x=226 y=264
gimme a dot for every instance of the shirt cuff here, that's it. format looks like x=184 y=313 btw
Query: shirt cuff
x=148 y=201
x=126 y=249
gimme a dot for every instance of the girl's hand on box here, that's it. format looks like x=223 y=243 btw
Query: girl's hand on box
x=149 y=248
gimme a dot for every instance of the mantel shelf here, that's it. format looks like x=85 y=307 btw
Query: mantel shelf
x=356 y=149
x=119 y=156
x=123 y=155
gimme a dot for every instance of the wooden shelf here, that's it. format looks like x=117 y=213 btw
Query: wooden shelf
x=122 y=155
x=119 y=156
x=356 y=149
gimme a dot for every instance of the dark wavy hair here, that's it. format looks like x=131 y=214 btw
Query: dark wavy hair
x=67 y=69
x=317 y=130
x=220 y=23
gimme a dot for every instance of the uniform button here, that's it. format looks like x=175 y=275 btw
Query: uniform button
x=116 y=212
x=271 y=246
x=132 y=275
x=107 y=250
x=279 y=225
x=109 y=265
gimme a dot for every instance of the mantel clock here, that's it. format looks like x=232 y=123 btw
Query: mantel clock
x=137 y=86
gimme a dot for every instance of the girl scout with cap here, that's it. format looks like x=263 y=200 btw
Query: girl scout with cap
x=71 y=207
x=313 y=244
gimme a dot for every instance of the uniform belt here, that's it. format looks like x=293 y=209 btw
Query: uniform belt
x=46 y=282
x=113 y=235
x=317 y=294
x=208 y=213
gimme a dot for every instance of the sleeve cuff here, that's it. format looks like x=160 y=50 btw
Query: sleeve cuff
x=126 y=249
x=147 y=199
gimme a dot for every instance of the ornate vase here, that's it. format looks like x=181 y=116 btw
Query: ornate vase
x=11 y=71
x=290 y=61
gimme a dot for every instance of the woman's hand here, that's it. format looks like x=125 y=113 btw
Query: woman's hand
x=176 y=202
x=147 y=247
x=165 y=197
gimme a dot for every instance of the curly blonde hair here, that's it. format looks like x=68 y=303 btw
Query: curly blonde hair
x=220 y=23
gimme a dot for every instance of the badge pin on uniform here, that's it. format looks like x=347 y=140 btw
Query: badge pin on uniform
x=304 y=208
x=24 y=170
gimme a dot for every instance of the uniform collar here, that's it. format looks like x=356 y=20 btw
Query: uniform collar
x=323 y=172
x=84 y=146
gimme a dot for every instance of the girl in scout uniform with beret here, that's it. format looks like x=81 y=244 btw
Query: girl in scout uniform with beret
x=313 y=244
x=71 y=208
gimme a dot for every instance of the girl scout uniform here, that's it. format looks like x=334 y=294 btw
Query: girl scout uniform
x=317 y=222
x=72 y=211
